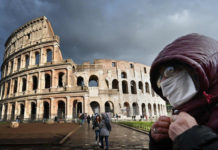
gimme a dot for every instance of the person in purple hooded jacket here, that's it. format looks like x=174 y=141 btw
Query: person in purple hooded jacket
x=185 y=73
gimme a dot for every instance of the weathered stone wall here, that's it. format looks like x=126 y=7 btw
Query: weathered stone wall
x=38 y=84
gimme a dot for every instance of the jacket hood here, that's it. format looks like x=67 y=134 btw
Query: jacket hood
x=197 y=52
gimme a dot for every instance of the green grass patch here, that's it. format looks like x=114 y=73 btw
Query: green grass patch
x=3 y=122
x=142 y=125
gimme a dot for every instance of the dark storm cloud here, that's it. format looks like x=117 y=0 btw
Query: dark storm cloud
x=114 y=29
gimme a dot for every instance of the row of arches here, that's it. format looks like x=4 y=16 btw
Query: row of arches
x=23 y=61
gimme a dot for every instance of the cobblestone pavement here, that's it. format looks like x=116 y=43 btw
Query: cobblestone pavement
x=121 y=138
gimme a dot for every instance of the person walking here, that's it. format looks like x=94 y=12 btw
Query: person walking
x=105 y=128
x=95 y=127
x=88 y=120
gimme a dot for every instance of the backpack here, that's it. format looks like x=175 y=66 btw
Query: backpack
x=108 y=125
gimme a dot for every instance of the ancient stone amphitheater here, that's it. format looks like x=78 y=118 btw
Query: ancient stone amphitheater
x=37 y=83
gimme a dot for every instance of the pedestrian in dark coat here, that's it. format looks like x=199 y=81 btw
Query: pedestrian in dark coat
x=88 y=120
x=105 y=128
x=96 y=127
x=185 y=74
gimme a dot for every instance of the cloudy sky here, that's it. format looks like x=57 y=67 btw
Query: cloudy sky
x=132 y=30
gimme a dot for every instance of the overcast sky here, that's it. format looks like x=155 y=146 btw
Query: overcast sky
x=132 y=30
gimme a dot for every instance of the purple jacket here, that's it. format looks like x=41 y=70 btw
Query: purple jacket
x=199 y=53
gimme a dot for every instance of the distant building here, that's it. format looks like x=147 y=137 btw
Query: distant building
x=37 y=83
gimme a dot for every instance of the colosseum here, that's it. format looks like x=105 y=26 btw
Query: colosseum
x=37 y=83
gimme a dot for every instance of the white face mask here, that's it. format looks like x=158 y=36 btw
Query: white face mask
x=178 y=88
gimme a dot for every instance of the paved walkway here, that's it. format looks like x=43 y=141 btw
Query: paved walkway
x=121 y=138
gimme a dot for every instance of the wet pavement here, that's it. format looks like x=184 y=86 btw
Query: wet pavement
x=121 y=138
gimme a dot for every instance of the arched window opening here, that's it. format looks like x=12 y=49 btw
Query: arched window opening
x=147 y=87
x=95 y=107
x=125 y=87
x=126 y=109
x=15 y=86
x=77 y=108
x=133 y=87
x=18 y=63
x=123 y=75
x=24 y=84
x=141 y=86
x=149 y=110
x=61 y=110
x=12 y=111
x=33 y=111
x=80 y=81
x=45 y=110
x=135 y=109
x=93 y=81
x=131 y=66
x=109 y=107
x=61 y=79
x=6 y=110
x=115 y=84
x=143 y=109
x=49 y=55
x=8 y=89
x=155 y=109
x=47 y=81
x=37 y=58
x=22 y=109
x=27 y=61
x=35 y=83
x=145 y=71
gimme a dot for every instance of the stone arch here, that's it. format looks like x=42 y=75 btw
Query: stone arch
x=143 y=109
x=159 y=109
x=46 y=110
x=35 y=82
x=141 y=86
x=155 y=109
x=37 y=58
x=15 y=86
x=60 y=79
x=93 y=81
x=149 y=110
x=135 y=108
x=27 y=60
x=12 y=111
x=22 y=110
x=61 y=109
x=77 y=108
x=115 y=84
x=49 y=55
x=123 y=75
x=109 y=107
x=80 y=81
x=47 y=81
x=5 y=112
x=33 y=110
x=95 y=107
x=23 y=84
x=127 y=109
x=133 y=87
x=125 y=87
x=147 y=89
